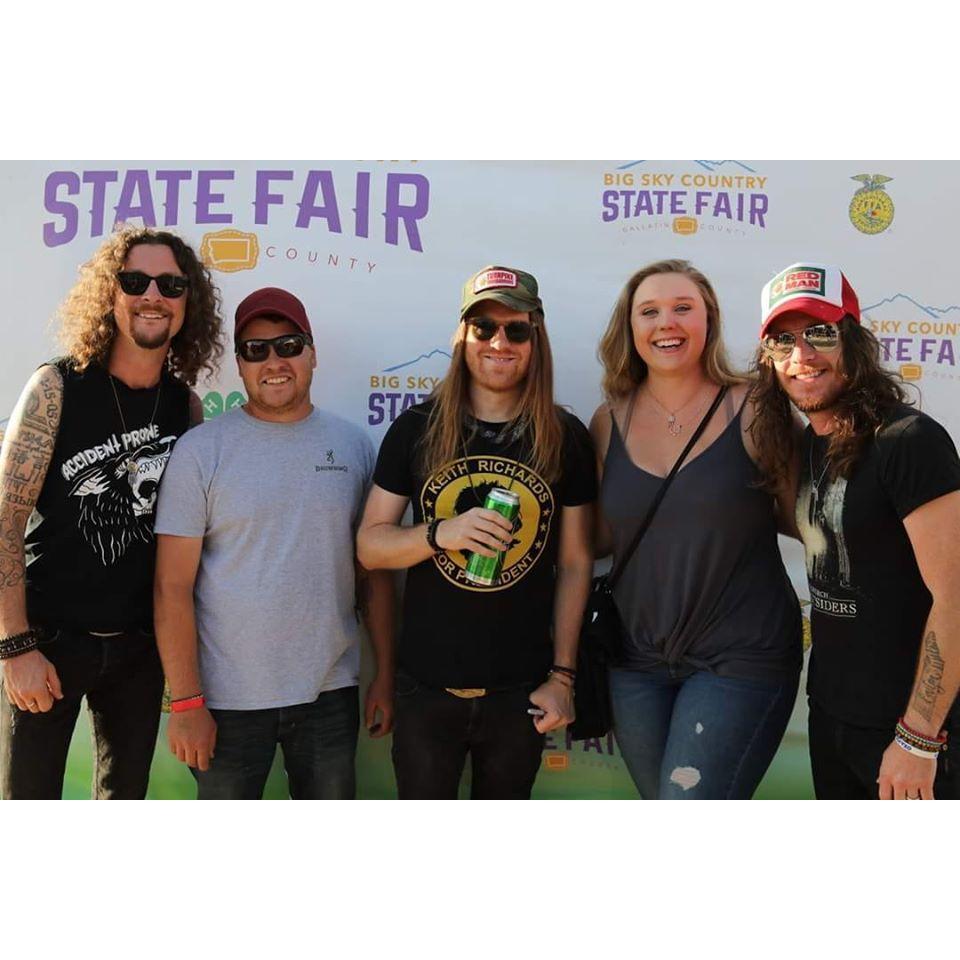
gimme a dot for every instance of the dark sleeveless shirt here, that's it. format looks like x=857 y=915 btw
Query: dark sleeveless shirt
x=706 y=589
x=89 y=542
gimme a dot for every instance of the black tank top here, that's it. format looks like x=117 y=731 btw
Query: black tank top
x=89 y=542
x=706 y=589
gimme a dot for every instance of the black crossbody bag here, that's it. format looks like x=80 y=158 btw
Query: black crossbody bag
x=601 y=633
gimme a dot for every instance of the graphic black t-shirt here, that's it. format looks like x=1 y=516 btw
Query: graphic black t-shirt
x=869 y=603
x=89 y=542
x=456 y=633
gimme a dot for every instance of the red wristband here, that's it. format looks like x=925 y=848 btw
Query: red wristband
x=191 y=703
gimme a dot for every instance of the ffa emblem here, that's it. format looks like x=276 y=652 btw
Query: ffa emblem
x=871 y=209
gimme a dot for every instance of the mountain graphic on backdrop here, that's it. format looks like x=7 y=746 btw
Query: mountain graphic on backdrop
x=710 y=165
x=423 y=356
x=902 y=306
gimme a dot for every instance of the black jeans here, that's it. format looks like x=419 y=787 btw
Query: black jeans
x=434 y=731
x=318 y=741
x=122 y=679
x=846 y=760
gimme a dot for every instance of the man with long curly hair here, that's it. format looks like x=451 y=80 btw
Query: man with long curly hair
x=878 y=510
x=81 y=462
x=476 y=650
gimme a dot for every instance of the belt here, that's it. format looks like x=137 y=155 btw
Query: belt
x=471 y=693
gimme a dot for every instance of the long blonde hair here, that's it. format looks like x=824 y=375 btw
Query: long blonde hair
x=539 y=421
x=623 y=368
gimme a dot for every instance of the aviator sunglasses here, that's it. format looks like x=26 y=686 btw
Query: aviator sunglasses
x=822 y=337
x=134 y=283
x=517 y=331
x=286 y=346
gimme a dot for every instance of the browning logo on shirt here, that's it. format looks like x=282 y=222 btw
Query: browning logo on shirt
x=463 y=484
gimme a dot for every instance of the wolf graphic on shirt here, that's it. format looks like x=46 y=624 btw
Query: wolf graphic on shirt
x=117 y=501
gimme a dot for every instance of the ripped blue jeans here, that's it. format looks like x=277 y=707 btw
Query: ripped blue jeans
x=700 y=737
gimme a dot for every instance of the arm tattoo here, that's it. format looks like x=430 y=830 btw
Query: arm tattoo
x=27 y=450
x=928 y=689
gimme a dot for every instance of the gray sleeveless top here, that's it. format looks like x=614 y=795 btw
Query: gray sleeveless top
x=706 y=588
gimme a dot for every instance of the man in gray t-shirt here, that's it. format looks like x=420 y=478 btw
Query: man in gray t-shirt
x=256 y=594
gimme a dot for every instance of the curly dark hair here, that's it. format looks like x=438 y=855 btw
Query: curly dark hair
x=870 y=394
x=88 y=326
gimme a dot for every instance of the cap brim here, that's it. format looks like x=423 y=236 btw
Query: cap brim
x=805 y=306
x=501 y=296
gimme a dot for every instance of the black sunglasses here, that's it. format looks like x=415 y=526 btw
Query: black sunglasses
x=134 y=283
x=286 y=346
x=517 y=331
x=823 y=337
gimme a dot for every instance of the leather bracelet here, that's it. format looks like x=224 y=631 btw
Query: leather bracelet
x=562 y=677
x=432 y=535
x=572 y=674
x=18 y=643
x=188 y=703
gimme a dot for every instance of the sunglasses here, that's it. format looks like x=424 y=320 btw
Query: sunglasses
x=134 y=283
x=517 y=331
x=822 y=337
x=287 y=346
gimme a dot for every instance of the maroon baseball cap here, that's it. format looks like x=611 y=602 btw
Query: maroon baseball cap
x=271 y=302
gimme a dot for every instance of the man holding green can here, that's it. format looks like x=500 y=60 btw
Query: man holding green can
x=501 y=482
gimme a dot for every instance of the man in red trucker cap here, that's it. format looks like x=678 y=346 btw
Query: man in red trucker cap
x=878 y=510
x=256 y=585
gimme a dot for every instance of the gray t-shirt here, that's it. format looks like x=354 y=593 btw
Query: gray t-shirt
x=277 y=505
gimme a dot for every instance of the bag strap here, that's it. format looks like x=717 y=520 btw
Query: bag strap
x=615 y=574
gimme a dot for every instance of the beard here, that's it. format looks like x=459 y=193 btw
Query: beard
x=151 y=339
x=814 y=406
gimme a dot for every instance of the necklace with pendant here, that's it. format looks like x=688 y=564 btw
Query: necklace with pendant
x=815 y=484
x=674 y=426
x=130 y=465
x=494 y=437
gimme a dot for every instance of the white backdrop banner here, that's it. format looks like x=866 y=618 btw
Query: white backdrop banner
x=379 y=250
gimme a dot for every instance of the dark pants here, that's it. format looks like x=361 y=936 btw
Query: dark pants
x=846 y=760
x=318 y=741
x=122 y=680
x=434 y=731
x=701 y=737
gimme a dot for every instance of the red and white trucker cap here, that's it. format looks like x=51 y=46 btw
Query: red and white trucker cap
x=818 y=290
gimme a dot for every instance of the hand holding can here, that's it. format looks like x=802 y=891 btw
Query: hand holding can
x=483 y=569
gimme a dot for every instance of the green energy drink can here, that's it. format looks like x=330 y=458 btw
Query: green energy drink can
x=486 y=570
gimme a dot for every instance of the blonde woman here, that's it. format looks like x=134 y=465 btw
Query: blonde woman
x=712 y=636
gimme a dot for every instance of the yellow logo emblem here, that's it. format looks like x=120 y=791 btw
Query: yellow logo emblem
x=465 y=483
x=230 y=250
x=871 y=209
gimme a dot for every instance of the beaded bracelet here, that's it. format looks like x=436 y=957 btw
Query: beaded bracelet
x=915 y=744
x=19 y=643
x=431 y=534
x=915 y=751
x=928 y=743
